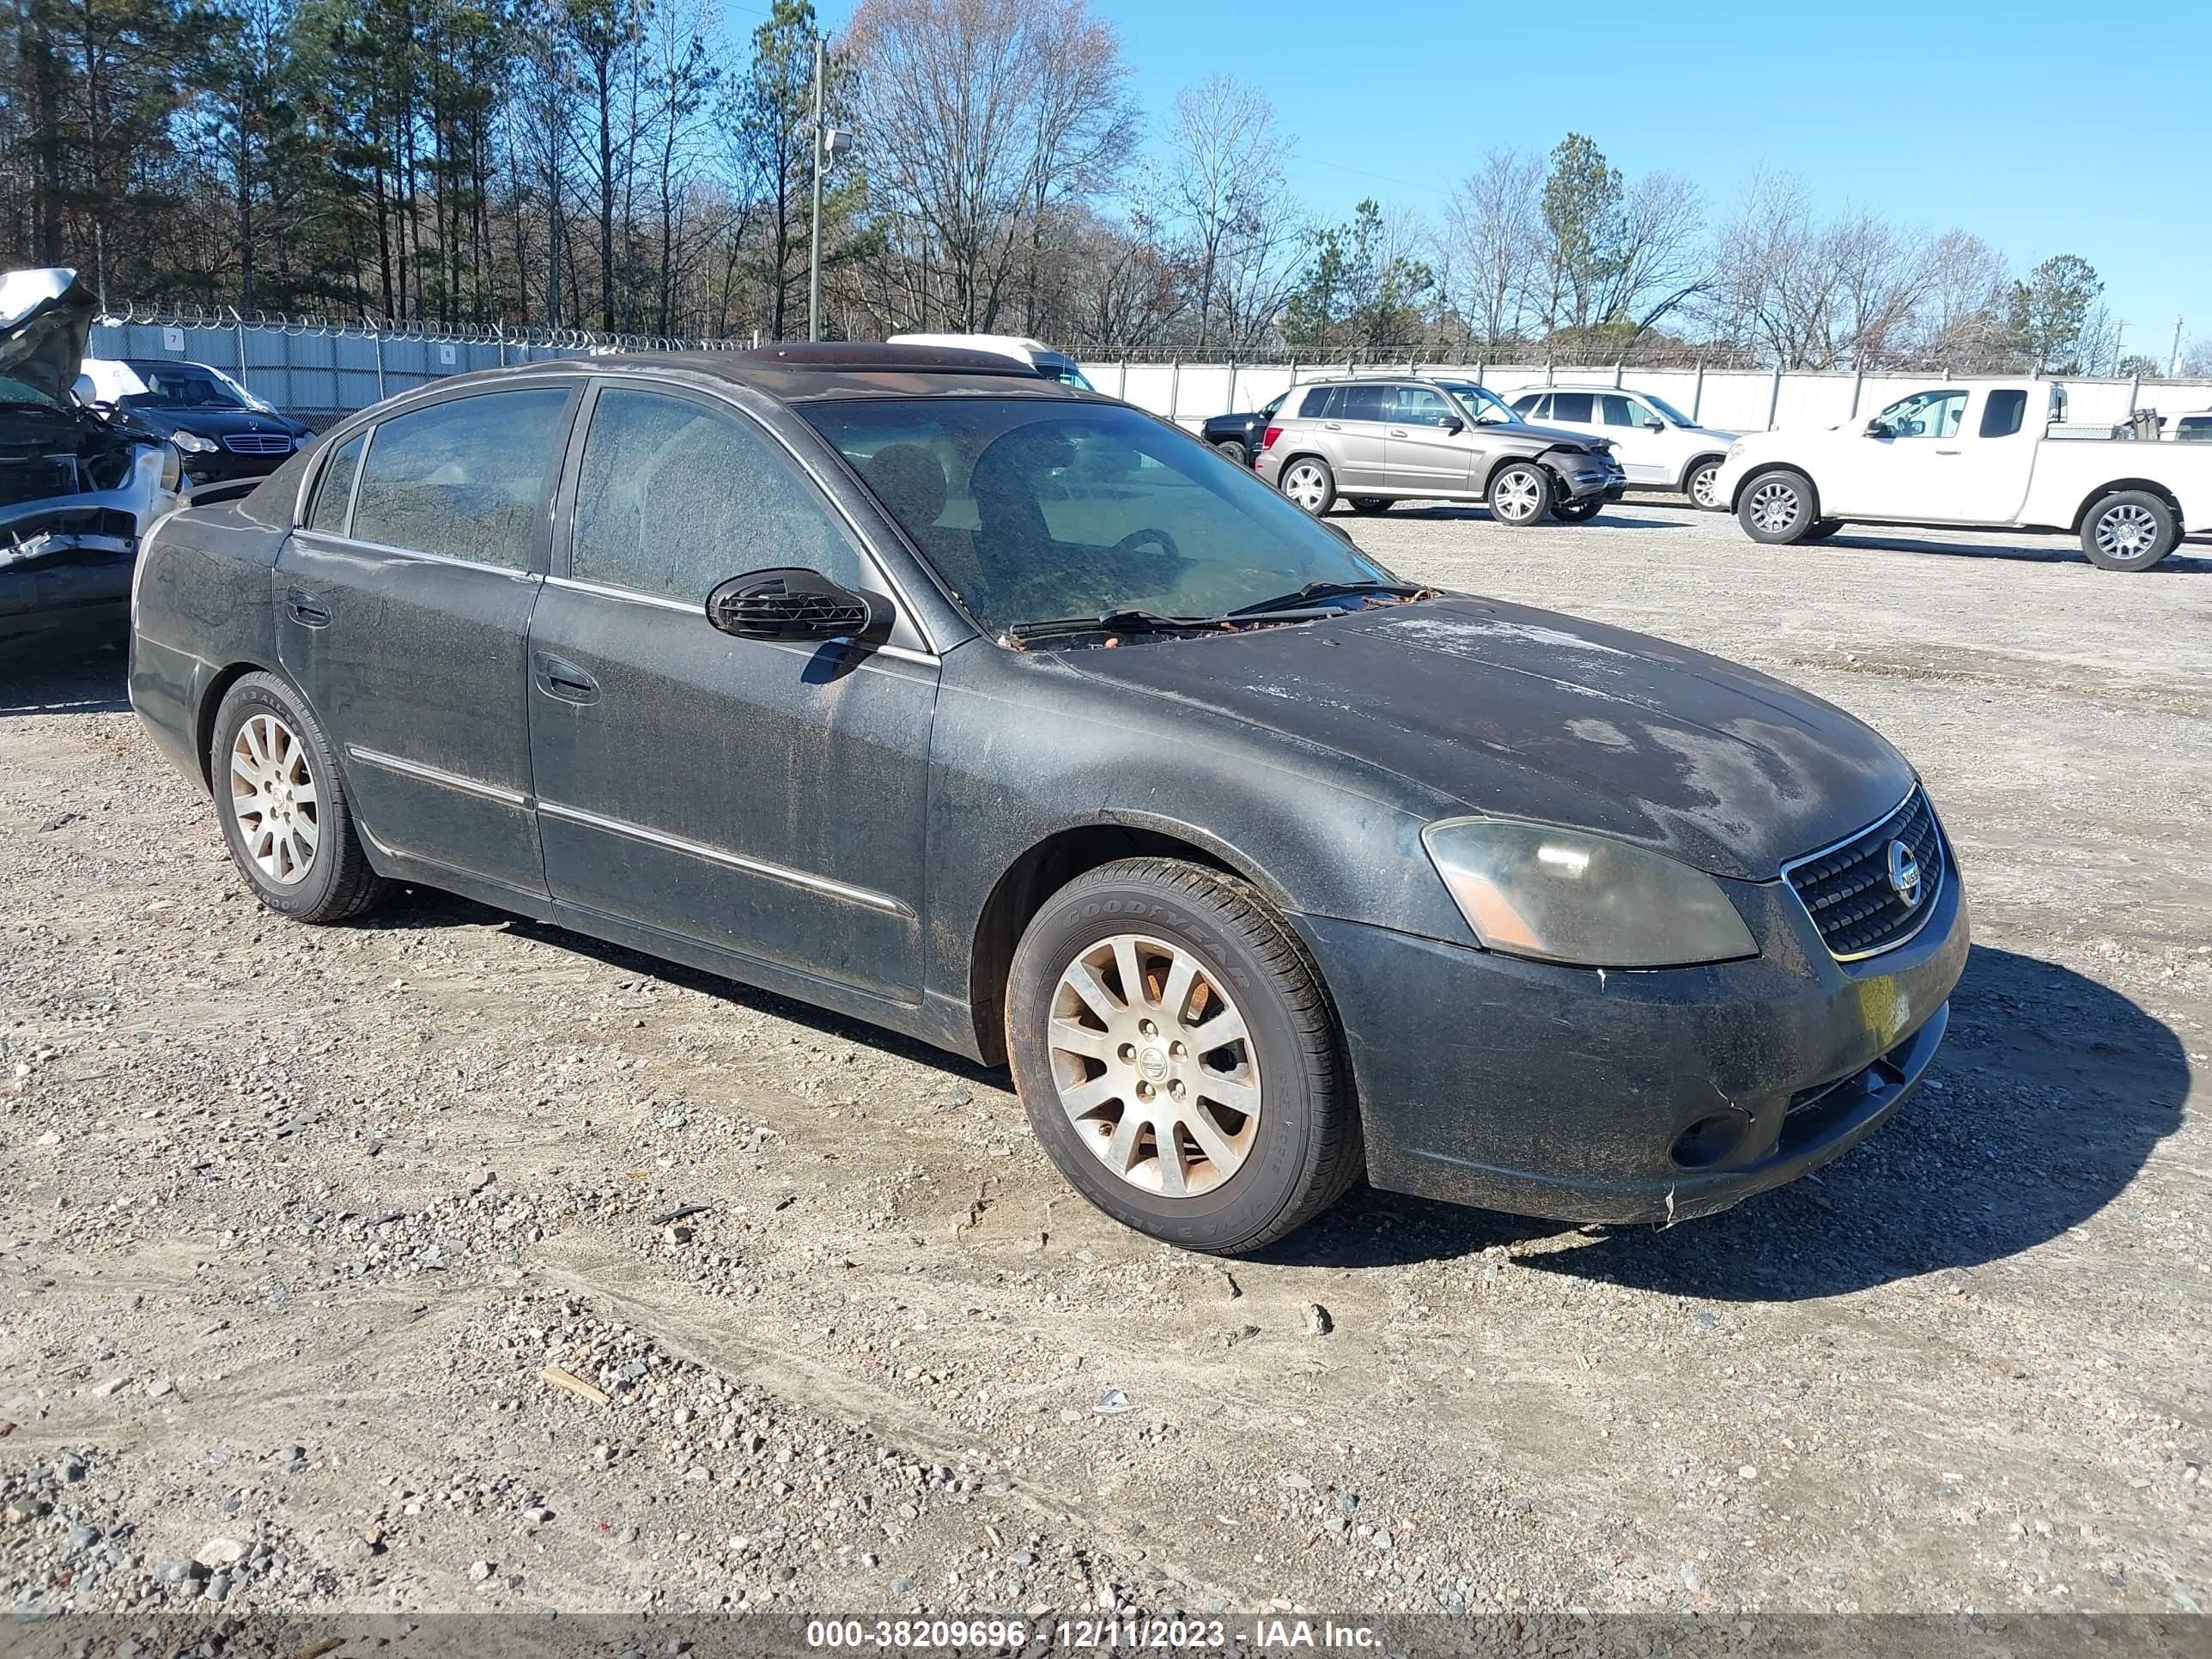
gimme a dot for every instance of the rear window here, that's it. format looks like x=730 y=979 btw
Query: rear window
x=1366 y=403
x=2003 y=414
x=2193 y=428
x=463 y=479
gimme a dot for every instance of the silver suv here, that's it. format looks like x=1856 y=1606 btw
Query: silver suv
x=1378 y=440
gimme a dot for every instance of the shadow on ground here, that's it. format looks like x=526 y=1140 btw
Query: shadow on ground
x=2187 y=560
x=78 y=680
x=2051 y=1091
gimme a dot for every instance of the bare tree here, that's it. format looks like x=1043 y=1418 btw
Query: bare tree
x=1492 y=235
x=1223 y=197
x=983 y=114
x=1661 y=261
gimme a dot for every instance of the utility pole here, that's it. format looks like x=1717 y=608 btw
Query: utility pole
x=2173 y=359
x=814 y=241
x=2119 y=333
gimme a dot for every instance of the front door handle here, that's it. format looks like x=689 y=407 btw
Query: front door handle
x=307 y=609
x=559 y=677
x=1948 y=451
x=1399 y=432
x=1332 y=425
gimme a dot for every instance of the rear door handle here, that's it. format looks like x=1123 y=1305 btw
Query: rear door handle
x=559 y=677
x=307 y=609
x=1948 y=451
x=1332 y=425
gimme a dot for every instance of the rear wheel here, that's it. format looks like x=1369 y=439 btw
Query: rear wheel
x=1777 y=508
x=2130 y=530
x=1578 y=512
x=284 y=808
x=1234 y=450
x=1307 y=482
x=1821 y=530
x=1699 y=486
x=1371 y=505
x=1177 y=1057
x=1520 y=494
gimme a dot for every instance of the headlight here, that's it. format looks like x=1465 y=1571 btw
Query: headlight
x=1529 y=889
x=193 y=444
x=1735 y=449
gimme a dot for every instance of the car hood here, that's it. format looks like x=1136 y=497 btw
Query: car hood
x=1521 y=713
x=45 y=322
x=1548 y=434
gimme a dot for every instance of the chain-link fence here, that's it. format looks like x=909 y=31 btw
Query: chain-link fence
x=318 y=370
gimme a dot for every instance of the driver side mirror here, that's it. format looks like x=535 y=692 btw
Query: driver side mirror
x=792 y=604
x=1653 y=424
x=1453 y=425
x=1876 y=429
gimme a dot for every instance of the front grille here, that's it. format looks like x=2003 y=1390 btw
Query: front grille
x=258 y=443
x=1847 y=890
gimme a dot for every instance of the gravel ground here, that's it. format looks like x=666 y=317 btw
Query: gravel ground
x=445 y=1261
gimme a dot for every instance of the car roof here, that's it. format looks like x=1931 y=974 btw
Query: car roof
x=806 y=373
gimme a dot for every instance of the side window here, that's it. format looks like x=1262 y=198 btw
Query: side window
x=1526 y=407
x=2002 y=412
x=1420 y=405
x=1925 y=414
x=1575 y=408
x=1617 y=410
x=2193 y=429
x=1316 y=406
x=465 y=479
x=334 y=492
x=1268 y=409
x=1365 y=403
x=674 y=497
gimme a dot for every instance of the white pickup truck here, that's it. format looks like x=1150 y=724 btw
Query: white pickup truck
x=1975 y=453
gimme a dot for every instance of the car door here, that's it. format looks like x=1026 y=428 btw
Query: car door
x=1639 y=438
x=1903 y=464
x=1358 y=436
x=764 y=798
x=1430 y=452
x=403 y=608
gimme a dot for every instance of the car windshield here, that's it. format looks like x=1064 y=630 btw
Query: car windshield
x=1667 y=409
x=13 y=391
x=1484 y=407
x=187 y=385
x=1033 y=510
x=1063 y=369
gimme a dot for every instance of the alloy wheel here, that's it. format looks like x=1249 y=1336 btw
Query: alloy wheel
x=2126 y=532
x=1154 y=1066
x=1304 y=484
x=1517 y=496
x=273 y=799
x=1774 y=507
x=1701 y=486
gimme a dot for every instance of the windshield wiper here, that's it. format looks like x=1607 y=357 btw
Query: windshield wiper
x=1306 y=596
x=1109 y=622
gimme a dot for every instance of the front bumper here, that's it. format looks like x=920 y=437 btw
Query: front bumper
x=1605 y=483
x=1567 y=1093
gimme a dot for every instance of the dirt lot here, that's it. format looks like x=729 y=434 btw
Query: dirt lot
x=295 y=1221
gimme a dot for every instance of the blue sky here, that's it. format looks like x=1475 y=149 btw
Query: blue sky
x=2043 y=127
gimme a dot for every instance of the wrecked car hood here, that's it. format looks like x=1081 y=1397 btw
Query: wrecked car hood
x=1522 y=713
x=45 y=323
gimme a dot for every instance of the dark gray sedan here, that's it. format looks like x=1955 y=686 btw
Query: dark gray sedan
x=1000 y=713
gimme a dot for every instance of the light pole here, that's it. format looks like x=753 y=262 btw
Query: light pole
x=829 y=143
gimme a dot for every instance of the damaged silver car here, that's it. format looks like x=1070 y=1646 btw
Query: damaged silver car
x=78 y=487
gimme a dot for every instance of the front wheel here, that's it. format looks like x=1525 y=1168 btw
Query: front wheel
x=2130 y=530
x=1233 y=450
x=1369 y=506
x=1777 y=508
x=1821 y=530
x=1172 y=1044
x=284 y=808
x=1307 y=482
x=1701 y=486
x=1578 y=512
x=1521 y=494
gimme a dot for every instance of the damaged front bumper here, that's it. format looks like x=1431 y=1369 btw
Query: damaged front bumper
x=1642 y=1096
x=65 y=561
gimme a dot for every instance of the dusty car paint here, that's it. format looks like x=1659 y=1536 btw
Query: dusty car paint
x=867 y=829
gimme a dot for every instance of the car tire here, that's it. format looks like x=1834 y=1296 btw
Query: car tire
x=1821 y=530
x=1520 y=494
x=284 y=808
x=1778 y=508
x=1371 y=505
x=1233 y=450
x=2130 y=530
x=1578 y=512
x=1307 y=482
x=1095 y=1099
x=1697 y=484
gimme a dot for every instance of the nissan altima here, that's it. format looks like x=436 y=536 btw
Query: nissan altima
x=998 y=712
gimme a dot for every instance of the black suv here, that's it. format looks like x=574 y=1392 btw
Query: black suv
x=1237 y=437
